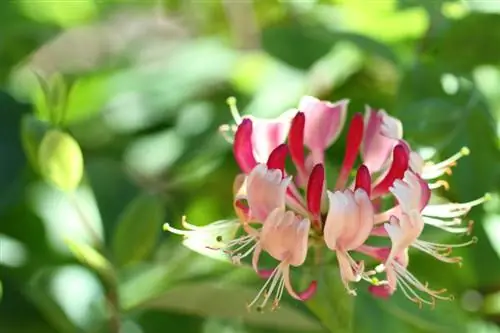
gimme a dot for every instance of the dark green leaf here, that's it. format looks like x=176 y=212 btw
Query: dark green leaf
x=138 y=230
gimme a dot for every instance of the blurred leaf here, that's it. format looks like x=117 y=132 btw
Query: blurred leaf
x=298 y=46
x=370 y=45
x=228 y=301
x=153 y=321
x=483 y=6
x=331 y=303
x=92 y=258
x=381 y=21
x=49 y=98
x=138 y=230
x=398 y=314
x=467 y=43
x=37 y=291
x=32 y=133
x=405 y=4
x=61 y=161
x=86 y=98
x=63 y=13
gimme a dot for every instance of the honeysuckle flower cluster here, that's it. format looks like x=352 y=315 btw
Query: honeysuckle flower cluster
x=382 y=189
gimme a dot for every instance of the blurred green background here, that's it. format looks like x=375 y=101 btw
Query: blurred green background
x=141 y=85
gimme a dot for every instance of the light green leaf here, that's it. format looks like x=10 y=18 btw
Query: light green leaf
x=49 y=98
x=86 y=98
x=64 y=13
x=138 y=230
x=229 y=301
x=92 y=258
x=61 y=160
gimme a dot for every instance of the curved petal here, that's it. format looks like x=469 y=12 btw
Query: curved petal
x=266 y=190
x=324 y=121
x=382 y=132
x=365 y=218
x=335 y=219
x=269 y=133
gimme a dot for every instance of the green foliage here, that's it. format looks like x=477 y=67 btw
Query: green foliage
x=137 y=230
x=61 y=161
x=142 y=88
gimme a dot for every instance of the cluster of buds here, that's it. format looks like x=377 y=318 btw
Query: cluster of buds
x=286 y=210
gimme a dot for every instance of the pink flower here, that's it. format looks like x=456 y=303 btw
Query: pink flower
x=324 y=124
x=382 y=133
x=348 y=225
x=285 y=208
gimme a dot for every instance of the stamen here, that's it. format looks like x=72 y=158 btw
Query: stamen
x=452 y=226
x=275 y=278
x=452 y=210
x=279 y=294
x=227 y=132
x=231 y=101
x=440 y=183
x=444 y=165
x=442 y=251
x=167 y=227
x=406 y=280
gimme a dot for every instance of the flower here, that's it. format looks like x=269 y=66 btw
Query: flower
x=348 y=225
x=285 y=209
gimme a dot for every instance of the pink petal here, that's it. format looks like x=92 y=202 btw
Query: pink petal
x=315 y=189
x=296 y=142
x=277 y=158
x=242 y=147
x=363 y=179
x=266 y=191
x=324 y=121
x=335 y=219
x=353 y=142
x=376 y=147
x=285 y=237
x=360 y=230
x=425 y=193
x=400 y=161
x=269 y=134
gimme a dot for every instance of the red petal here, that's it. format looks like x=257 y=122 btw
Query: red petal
x=363 y=179
x=400 y=161
x=380 y=291
x=353 y=142
x=296 y=140
x=265 y=273
x=309 y=292
x=315 y=190
x=277 y=158
x=242 y=146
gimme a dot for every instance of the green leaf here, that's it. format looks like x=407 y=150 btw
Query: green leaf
x=32 y=133
x=86 y=98
x=138 y=229
x=63 y=13
x=61 y=160
x=92 y=258
x=467 y=43
x=212 y=299
x=398 y=314
x=331 y=303
x=296 y=45
x=49 y=98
